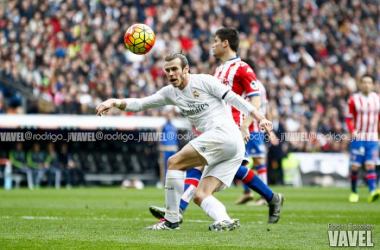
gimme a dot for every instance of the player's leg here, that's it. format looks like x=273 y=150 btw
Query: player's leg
x=58 y=177
x=223 y=162
x=356 y=160
x=247 y=193
x=193 y=177
x=261 y=171
x=371 y=158
x=274 y=200
x=260 y=157
x=29 y=176
x=185 y=159
x=40 y=174
x=207 y=140
x=213 y=207
x=224 y=154
x=251 y=150
x=50 y=173
x=256 y=149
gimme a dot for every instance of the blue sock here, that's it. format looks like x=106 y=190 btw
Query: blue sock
x=193 y=177
x=371 y=180
x=354 y=181
x=253 y=182
x=246 y=188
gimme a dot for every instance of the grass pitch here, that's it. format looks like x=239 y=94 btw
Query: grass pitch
x=112 y=218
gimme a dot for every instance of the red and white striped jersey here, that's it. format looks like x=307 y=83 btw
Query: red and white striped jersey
x=255 y=128
x=365 y=111
x=241 y=79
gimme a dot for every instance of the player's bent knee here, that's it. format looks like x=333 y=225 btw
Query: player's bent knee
x=199 y=197
x=259 y=161
x=370 y=167
x=355 y=168
x=172 y=162
x=175 y=162
x=200 y=168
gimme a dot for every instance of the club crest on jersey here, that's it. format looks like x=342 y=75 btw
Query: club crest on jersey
x=224 y=81
x=196 y=94
x=254 y=85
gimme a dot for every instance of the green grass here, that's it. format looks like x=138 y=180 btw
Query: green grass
x=111 y=218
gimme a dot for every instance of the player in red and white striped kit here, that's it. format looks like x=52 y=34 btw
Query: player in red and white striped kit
x=256 y=150
x=240 y=77
x=362 y=120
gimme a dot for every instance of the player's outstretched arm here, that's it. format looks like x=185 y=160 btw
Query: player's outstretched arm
x=256 y=102
x=134 y=105
x=244 y=106
x=213 y=86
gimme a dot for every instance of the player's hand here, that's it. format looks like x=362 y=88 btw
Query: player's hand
x=267 y=125
x=273 y=139
x=104 y=107
x=245 y=133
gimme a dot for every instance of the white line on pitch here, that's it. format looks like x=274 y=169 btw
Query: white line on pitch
x=94 y=218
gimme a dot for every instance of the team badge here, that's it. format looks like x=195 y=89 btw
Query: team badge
x=196 y=94
x=254 y=85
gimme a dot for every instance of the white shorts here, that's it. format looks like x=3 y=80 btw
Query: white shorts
x=223 y=148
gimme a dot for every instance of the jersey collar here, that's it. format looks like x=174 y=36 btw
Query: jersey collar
x=232 y=60
x=364 y=96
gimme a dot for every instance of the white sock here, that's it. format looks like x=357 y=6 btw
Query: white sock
x=174 y=186
x=214 y=209
x=264 y=178
x=262 y=174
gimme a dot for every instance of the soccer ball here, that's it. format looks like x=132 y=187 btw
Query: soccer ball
x=139 y=39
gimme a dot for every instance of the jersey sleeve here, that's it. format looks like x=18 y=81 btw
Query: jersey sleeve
x=156 y=100
x=247 y=77
x=351 y=111
x=350 y=114
x=212 y=85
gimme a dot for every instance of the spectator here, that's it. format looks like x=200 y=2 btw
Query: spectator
x=67 y=164
x=275 y=152
x=17 y=157
x=36 y=160
x=53 y=166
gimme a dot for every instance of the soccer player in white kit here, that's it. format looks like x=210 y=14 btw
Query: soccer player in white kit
x=240 y=78
x=220 y=147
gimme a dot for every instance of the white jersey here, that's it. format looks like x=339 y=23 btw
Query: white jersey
x=201 y=101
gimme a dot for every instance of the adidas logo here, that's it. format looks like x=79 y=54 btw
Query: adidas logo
x=203 y=149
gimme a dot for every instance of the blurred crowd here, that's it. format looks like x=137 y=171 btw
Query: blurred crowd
x=308 y=53
x=37 y=163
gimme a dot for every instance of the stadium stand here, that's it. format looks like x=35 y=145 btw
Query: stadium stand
x=102 y=161
x=309 y=54
x=71 y=52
